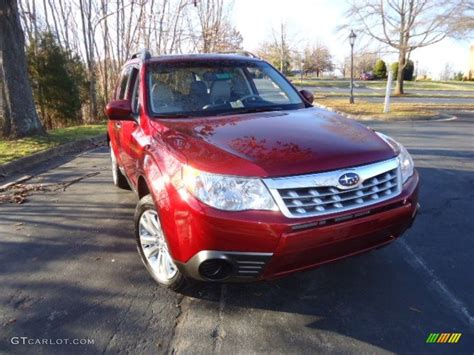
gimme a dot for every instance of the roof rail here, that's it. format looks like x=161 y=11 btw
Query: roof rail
x=143 y=55
x=242 y=53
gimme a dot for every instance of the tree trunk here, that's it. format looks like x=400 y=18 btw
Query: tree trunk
x=400 y=73
x=18 y=108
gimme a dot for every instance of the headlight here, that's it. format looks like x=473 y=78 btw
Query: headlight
x=229 y=193
x=404 y=158
x=406 y=163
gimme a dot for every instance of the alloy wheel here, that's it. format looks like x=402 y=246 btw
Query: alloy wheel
x=155 y=249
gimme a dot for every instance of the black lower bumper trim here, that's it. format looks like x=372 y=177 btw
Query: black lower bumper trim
x=244 y=266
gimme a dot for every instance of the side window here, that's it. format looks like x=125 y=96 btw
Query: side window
x=121 y=92
x=240 y=85
x=134 y=86
x=266 y=87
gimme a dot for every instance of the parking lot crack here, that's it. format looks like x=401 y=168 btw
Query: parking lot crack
x=116 y=329
x=174 y=342
x=219 y=332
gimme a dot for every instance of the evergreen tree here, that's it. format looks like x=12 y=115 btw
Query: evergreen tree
x=407 y=73
x=380 y=69
x=57 y=82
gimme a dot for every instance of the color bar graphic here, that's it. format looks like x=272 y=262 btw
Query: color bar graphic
x=442 y=338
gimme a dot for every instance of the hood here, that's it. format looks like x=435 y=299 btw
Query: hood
x=273 y=143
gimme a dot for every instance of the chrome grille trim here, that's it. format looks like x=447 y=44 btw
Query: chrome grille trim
x=321 y=194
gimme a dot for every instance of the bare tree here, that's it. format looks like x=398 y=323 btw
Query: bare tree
x=278 y=50
x=364 y=62
x=88 y=38
x=317 y=59
x=447 y=73
x=17 y=109
x=406 y=25
x=216 y=33
x=463 y=25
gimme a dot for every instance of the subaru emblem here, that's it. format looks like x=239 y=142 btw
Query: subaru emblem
x=349 y=179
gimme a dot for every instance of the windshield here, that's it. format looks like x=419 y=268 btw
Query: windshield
x=218 y=88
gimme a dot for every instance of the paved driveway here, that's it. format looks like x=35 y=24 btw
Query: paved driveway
x=70 y=270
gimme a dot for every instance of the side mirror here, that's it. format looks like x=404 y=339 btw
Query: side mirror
x=308 y=96
x=120 y=110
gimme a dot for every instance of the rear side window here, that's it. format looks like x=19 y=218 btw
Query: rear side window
x=121 y=93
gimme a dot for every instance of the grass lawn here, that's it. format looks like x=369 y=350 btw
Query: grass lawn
x=18 y=148
x=427 y=85
x=404 y=110
x=464 y=94
x=326 y=83
x=380 y=84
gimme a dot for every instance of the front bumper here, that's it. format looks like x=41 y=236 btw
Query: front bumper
x=255 y=245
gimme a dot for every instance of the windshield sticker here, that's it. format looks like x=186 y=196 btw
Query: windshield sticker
x=236 y=104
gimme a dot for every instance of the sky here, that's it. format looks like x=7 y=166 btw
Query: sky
x=310 y=21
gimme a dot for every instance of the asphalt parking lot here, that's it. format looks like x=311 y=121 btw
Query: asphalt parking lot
x=70 y=270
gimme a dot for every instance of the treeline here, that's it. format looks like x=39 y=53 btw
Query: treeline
x=317 y=60
x=75 y=48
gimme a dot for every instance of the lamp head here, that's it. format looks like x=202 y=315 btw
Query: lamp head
x=352 y=37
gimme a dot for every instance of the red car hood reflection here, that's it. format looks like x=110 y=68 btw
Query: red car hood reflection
x=274 y=143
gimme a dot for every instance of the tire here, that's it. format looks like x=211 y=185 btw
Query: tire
x=151 y=243
x=118 y=178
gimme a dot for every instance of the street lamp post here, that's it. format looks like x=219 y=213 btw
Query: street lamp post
x=352 y=37
x=301 y=70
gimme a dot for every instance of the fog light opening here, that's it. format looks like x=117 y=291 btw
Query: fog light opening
x=215 y=269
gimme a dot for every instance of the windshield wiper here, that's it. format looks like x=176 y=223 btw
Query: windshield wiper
x=233 y=112
x=170 y=115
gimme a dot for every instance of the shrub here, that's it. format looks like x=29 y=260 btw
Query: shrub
x=407 y=73
x=380 y=69
x=57 y=80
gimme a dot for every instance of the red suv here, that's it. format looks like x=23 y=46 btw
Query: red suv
x=240 y=178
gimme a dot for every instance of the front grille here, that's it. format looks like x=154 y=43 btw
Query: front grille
x=320 y=194
x=331 y=199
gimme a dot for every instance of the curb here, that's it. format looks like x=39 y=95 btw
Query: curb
x=34 y=160
x=439 y=118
